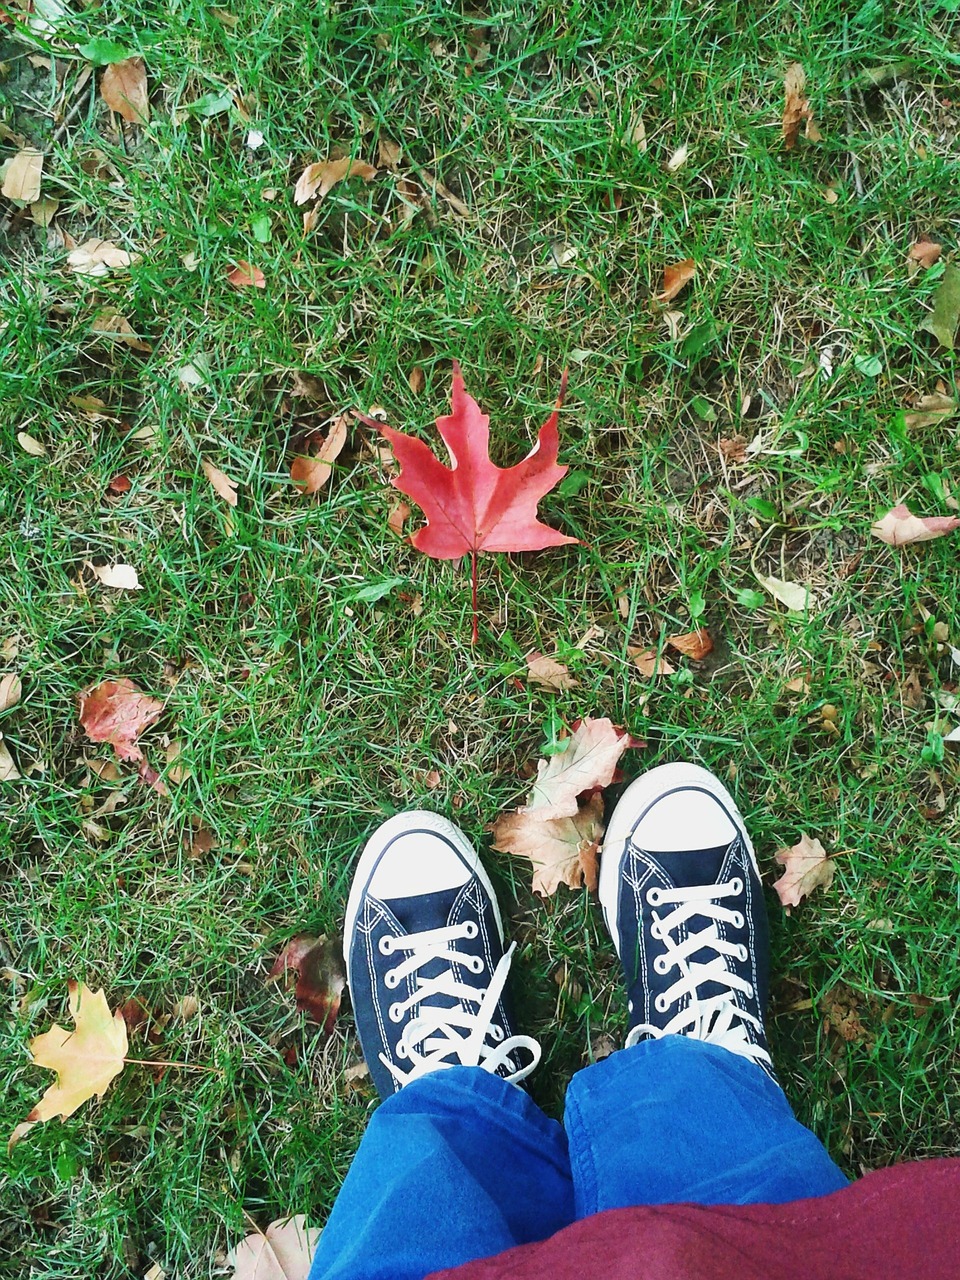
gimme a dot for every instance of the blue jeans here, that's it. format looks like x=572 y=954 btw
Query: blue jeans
x=461 y=1165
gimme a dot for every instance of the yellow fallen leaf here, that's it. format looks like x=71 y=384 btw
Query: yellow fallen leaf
x=86 y=1059
x=807 y=866
x=796 y=597
x=562 y=850
x=22 y=181
x=588 y=762
x=224 y=486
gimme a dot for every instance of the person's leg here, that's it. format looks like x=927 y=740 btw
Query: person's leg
x=457 y=1163
x=691 y=1109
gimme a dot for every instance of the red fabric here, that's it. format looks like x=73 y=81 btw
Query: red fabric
x=901 y=1223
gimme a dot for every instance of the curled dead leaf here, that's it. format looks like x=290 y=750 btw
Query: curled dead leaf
x=10 y=691
x=562 y=850
x=900 y=526
x=222 y=484
x=8 y=770
x=29 y=445
x=588 y=763
x=98 y=258
x=319 y=178
x=693 y=644
x=109 y=323
x=318 y=966
x=245 y=276
x=925 y=253
x=796 y=110
x=23 y=176
x=930 y=411
x=311 y=473
x=400 y=513
x=123 y=88
x=674 y=278
x=649 y=664
x=548 y=673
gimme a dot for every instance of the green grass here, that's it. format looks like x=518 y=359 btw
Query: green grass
x=306 y=716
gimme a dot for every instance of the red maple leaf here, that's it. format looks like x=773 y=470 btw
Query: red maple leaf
x=474 y=505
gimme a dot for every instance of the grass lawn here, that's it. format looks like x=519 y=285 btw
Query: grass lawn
x=756 y=431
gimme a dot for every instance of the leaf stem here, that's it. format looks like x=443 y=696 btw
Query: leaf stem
x=475 y=636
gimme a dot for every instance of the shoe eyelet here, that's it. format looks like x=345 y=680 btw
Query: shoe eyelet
x=660 y=965
x=653 y=897
x=655 y=931
x=395 y=1013
x=738 y=921
x=744 y=953
x=390 y=980
x=660 y=1004
x=400 y=1051
x=470 y=929
x=629 y=1006
x=496 y=1032
x=475 y=964
x=750 y=993
x=736 y=885
x=385 y=945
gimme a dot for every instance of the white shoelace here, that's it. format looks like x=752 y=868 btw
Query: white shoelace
x=450 y=1036
x=717 y=1019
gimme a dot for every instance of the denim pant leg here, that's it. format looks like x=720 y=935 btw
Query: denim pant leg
x=458 y=1165
x=677 y=1120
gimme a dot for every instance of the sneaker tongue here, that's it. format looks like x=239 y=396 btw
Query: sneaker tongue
x=687 y=868
x=424 y=911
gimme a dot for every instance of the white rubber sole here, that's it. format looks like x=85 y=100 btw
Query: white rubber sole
x=415 y=820
x=631 y=807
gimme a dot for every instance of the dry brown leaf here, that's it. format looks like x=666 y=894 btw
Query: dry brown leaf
x=22 y=181
x=648 y=664
x=930 y=411
x=116 y=711
x=123 y=88
x=548 y=673
x=562 y=850
x=911 y=692
x=85 y=1059
x=29 y=445
x=320 y=978
x=841 y=1007
x=678 y=159
x=389 y=153
x=455 y=203
x=398 y=517
x=283 y=1252
x=310 y=474
x=693 y=644
x=588 y=763
x=674 y=278
x=223 y=485
x=317 y=179
x=98 y=258
x=122 y=576
x=807 y=866
x=8 y=770
x=245 y=276
x=796 y=110
x=109 y=323
x=10 y=691
x=925 y=253
x=900 y=527
x=416 y=381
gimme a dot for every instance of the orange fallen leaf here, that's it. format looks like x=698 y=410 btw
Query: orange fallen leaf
x=796 y=109
x=310 y=474
x=319 y=178
x=900 y=527
x=244 y=276
x=222 y=484
x=675 y=277
x=119 y=484
x=692 y=644
x=85 y=1059
x=562 y=850
x=807 y=866
x=320 y=978
x=116 y=711
x=416 y=381
x=123 y=88
x=925 y=253
x=398 y=517
x=649 y=664
x=548 y=673
x=283 y=1252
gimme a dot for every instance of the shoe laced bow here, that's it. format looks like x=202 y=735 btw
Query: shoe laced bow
x=717 y=1019
x=451 y=1032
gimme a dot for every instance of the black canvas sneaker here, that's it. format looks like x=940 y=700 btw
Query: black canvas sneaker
x=423 y=942
x=681 y=895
